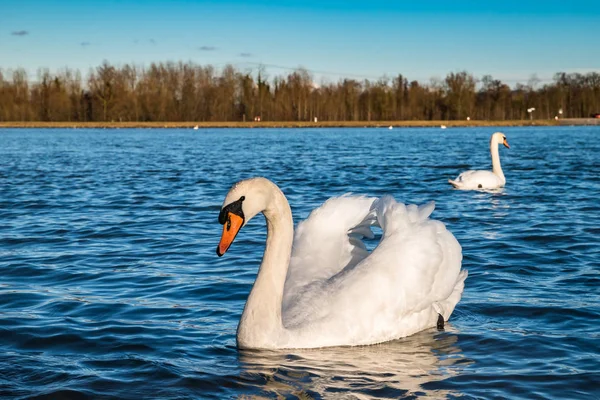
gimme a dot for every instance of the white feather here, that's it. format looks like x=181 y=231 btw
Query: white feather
x=393 y=292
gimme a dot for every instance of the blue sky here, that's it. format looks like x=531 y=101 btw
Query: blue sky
x=510 y=40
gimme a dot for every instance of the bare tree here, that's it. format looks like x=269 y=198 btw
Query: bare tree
x=187 y=91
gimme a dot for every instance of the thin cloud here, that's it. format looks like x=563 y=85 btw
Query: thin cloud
x=152 y=42
x=19 y=33
x=207 y=48
x=245 y=55
x=84 y=44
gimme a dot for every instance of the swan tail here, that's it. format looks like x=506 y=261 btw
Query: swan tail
x=446 y=307
x=456 y=184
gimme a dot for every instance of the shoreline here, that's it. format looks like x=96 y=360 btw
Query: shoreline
x=278 y=124
x=298 y=124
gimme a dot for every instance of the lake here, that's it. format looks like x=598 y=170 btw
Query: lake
x=110 y=286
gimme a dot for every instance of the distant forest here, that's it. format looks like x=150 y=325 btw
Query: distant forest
x=191 y=92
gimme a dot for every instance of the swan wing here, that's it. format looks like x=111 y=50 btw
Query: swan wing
x=426 y=256
x=328 y=241
x=399 y=289
x=477 y=180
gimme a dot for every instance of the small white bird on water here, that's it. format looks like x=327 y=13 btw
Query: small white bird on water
x=494 y=179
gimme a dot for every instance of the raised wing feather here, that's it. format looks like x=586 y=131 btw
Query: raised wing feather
x=419 y=252
x=410 y=277
x=328 y=241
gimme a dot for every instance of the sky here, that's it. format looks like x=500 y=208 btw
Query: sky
x=510 y=40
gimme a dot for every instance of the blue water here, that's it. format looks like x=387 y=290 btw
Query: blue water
x=110 y=286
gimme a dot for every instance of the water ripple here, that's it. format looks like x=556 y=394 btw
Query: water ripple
x=111 y=288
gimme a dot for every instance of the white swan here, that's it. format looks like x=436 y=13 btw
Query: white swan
x=470 y=180
x=322 y=287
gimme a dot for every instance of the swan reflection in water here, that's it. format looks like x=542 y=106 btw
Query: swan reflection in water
x=394 y=369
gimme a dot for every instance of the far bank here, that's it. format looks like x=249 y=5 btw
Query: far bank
x=297 y=124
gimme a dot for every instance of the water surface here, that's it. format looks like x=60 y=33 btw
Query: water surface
x=110 y=286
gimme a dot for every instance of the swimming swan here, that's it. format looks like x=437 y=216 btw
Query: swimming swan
x=470 y=180
x=322 y=287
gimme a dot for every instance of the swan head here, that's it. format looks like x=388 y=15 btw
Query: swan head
x=500 y=137
x=244 y=200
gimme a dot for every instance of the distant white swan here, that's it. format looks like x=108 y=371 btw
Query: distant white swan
x=470 y=180
x=322 y=287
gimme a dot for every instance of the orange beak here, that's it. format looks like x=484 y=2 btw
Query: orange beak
x=230 y=230
x=505 y=143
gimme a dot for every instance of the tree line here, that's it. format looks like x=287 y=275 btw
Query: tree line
x=190 y=92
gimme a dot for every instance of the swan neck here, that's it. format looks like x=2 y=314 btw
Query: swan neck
x=496 y=167
x=261 y=323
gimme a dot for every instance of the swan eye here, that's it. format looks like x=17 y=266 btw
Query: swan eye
x=234 y=208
